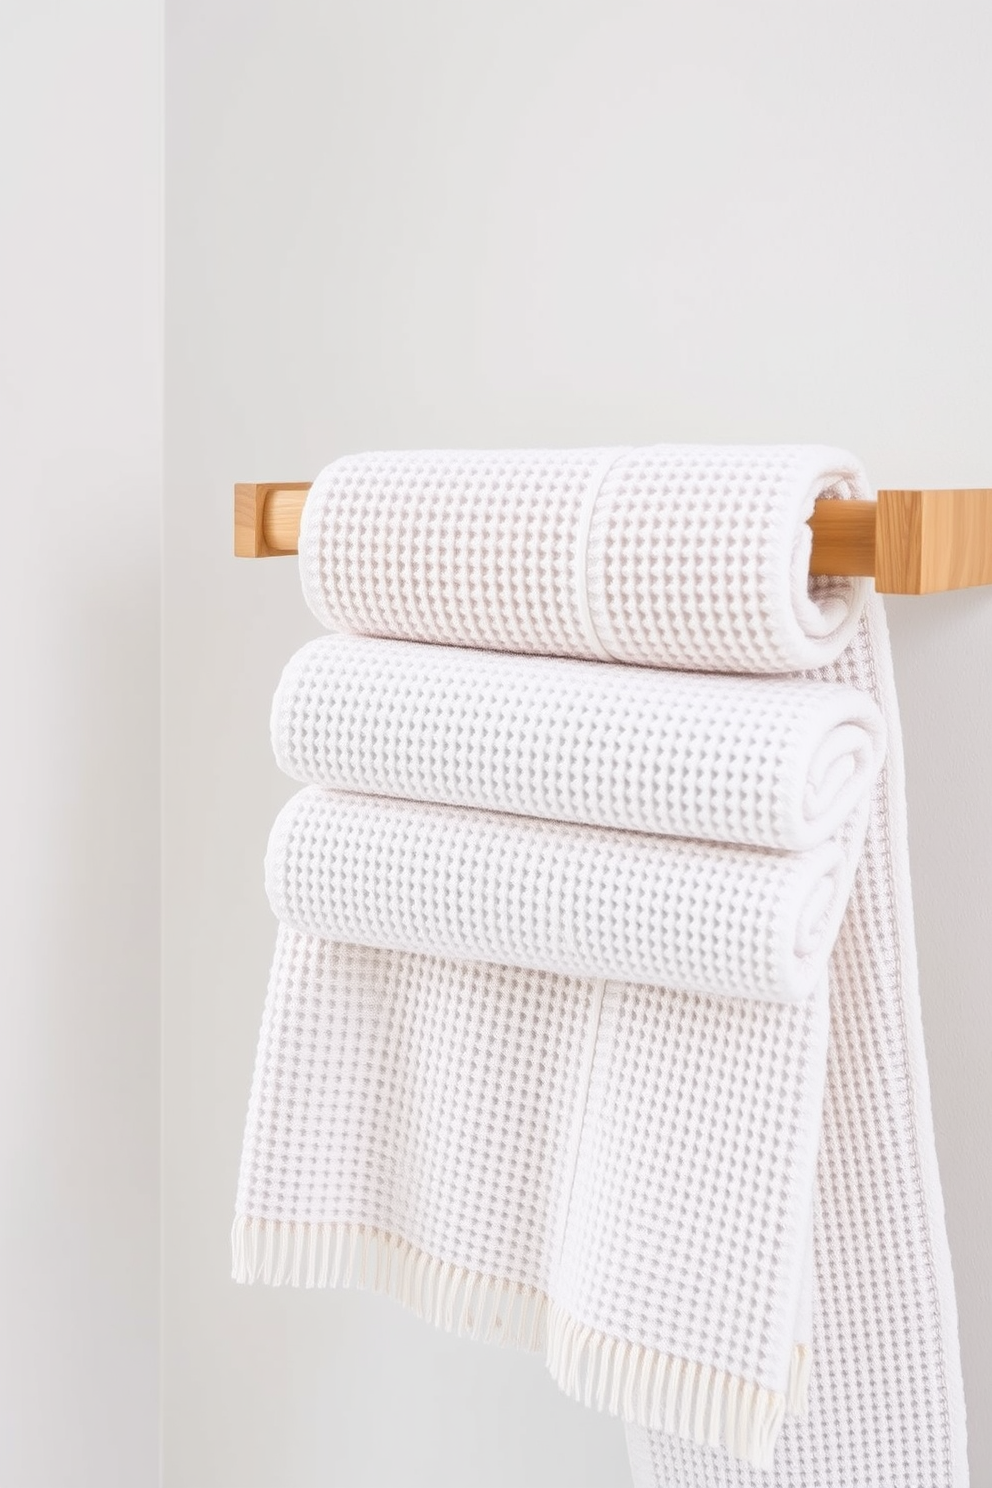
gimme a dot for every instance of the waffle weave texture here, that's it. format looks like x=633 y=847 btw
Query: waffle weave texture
x=536 y=1058
x=628 y=906
x=690 y=556
x=679 y=754
x=578 y=1166
x=886 y=1397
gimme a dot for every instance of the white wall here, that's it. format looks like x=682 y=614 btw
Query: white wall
x=536 y=222
x=80 y=452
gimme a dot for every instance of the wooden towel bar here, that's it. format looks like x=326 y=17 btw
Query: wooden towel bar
x=910 y=542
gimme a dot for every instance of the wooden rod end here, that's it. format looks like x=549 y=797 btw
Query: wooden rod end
x=249 y=508
x=930 y=541
x=267 y=517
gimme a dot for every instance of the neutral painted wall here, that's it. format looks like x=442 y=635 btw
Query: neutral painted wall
x=536 y=222
x=80 y=458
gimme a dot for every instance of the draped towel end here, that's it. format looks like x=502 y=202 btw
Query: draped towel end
x=663 y=1393
x=453 y=1298
x=637 y=1383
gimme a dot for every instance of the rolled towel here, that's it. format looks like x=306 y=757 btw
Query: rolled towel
x=577 y=900
x=686 y=556
x=762 y=762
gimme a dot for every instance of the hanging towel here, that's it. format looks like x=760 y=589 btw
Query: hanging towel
x=676 y=753
x=583 y=901
x=550 y=1152
x=612 y=1174
x=670 y=556
x=886 y=1396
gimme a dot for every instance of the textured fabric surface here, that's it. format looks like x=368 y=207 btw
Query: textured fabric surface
x=680 y=754
x=460 y=1100
x=886 y=1398
x=671 y=555
x=704 y=917
x=600 y=1148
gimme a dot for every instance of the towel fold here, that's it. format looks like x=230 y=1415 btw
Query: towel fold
x=760 y=762
x=616 y=1176
x=580 y=901
x=669 y=555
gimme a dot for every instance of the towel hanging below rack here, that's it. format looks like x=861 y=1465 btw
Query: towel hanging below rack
x=910 y=542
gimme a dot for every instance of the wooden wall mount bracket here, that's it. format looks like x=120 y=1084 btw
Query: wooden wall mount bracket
x=267 y=518
x=910 y=542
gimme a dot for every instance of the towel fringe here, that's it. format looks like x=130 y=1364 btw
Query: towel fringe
x=658 y=1391
x=800 y=1370
x=453 y=1298
x=664 y=1393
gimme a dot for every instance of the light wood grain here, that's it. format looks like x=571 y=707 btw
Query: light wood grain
x=843 y=538
x=930 y=541
x=267 y=518
x=911 y=542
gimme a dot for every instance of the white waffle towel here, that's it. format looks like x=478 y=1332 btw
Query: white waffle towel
x=552 y=896
x=546 y=1037
x=672 y=556
x=886 y=1396
x=675 y=753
